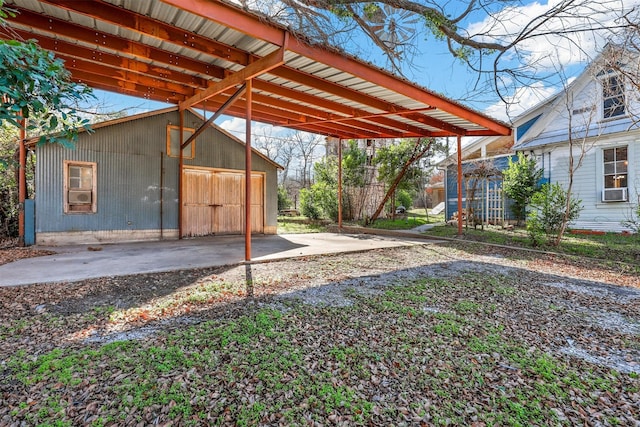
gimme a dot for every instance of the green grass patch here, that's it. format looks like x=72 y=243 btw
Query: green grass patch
x=609 y=246
x=299 y=225
x=381 y=361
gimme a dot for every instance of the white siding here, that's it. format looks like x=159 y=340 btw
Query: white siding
x=589 y=181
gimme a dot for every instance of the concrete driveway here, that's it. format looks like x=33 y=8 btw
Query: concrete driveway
x=72 y=263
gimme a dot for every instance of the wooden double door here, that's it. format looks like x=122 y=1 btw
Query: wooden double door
x=214 y=200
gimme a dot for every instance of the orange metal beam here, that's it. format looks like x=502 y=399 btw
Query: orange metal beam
x=111 y=73
x=71 y=51
x=438 y=124
x=335 y=89
x=165 y=32
x=231 y=17
x=170 y=60
x=261 y=66
x=252 y=25
x=58 y=27
x=126 y=86
x=265 y=112
x=142 y=24
x=278 y=117
x=107 y=12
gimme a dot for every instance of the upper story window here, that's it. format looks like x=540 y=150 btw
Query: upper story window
x=613 y=99
x=173 y=142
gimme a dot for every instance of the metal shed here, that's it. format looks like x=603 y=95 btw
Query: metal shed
x=132 y=184
x=214 y=56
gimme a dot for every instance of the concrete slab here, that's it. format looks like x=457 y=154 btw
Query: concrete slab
x=72 y=263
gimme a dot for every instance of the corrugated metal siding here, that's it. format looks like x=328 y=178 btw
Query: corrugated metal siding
x=128 y=158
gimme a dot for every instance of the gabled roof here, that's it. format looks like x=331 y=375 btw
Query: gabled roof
x=530 y=126
x=198 y=53
x=33 y=141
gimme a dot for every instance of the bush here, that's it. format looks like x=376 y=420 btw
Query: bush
x=546 y=216
x=308 y=205
x=520 y=183
x=403 y=198
x=284 y=202
x=319 y=201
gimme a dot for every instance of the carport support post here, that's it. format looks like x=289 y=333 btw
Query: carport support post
x=339 y=184
x=247 y=194
x=180 y=170
x=459 y=185
x=22 y=181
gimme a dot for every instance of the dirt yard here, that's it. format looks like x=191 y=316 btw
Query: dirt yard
x=585 y=313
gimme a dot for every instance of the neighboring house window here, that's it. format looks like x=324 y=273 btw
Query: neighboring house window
x=615 y=174
x=80 y=187
x=613 y=102
x=173 y=142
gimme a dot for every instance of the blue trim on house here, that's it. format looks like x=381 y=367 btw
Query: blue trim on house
x=522 y=129
x=451 y=185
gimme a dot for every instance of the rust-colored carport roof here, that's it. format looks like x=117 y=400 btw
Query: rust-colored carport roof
x=196 y=53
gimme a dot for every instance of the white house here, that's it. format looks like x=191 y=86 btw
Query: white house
x=595 y=119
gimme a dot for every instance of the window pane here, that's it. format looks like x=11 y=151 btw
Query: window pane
x=609 y=155
x=622 y=182
x=87 y=178
x=609 y=181
x=609 y=168
x=174 y=136
x=621 y=167
x=621 y=153
x=174 y=143
x=613 y=97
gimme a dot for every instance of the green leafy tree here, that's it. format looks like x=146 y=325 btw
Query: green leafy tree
x=354 y=161
x=36 y=86
x=323 y=193
x=309 y=206
x=520 y=183
x=403 y=198
x=550 y=209
x=396 y=162
x=9 y=166
x=284 y=202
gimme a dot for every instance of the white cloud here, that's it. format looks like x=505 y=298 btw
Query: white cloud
x=560 y=40
x=523 y=99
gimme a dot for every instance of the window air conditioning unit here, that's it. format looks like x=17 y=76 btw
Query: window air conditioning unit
x=79 y=197
x=614 y=195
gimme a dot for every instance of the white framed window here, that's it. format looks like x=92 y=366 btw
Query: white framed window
x=80 y=187
x=615 y=168
x=173 y=142
x=613 y=96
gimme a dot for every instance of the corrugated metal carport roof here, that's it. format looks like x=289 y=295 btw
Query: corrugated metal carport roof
x=196 y=53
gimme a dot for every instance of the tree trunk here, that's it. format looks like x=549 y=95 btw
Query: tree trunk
x=396 y=181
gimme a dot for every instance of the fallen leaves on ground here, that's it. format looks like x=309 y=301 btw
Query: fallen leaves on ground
x=441 y=334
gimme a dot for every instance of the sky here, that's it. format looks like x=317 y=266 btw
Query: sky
x=432 y=65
